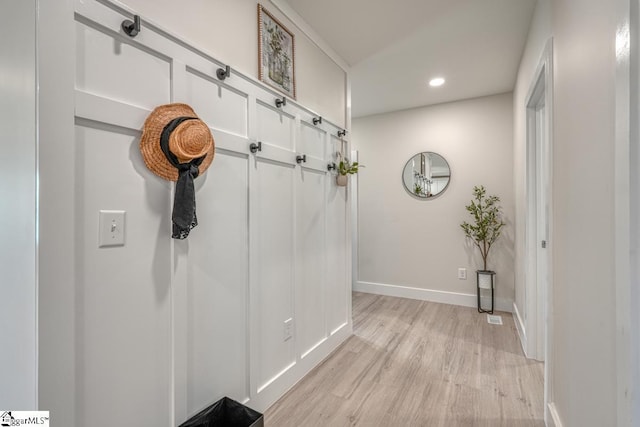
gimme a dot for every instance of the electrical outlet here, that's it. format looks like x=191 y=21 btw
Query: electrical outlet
x=462 y=273
x=288 y=329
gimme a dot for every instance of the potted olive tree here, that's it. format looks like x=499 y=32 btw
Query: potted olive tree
x=483 y=231
x=345 y=167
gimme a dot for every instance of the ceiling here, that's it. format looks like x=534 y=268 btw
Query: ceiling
x=395 y=47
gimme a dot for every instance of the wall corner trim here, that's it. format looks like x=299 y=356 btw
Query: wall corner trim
x=443 y=297
x=522 y=332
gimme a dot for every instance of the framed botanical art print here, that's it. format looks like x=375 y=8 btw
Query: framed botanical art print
x=276 y=54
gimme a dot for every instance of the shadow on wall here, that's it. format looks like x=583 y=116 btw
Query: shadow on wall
x=158 y=194
x=506 y=246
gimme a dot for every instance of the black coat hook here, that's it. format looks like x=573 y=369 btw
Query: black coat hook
x=317 y=121
x=342 y=133
x=281 y=102
x=255 y=147
x=331 y=167
x=301 y=159
x=223 y=73
x=132 y=28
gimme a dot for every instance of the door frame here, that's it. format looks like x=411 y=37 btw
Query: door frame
x=627 y=212
x=537 y=219
x=539 y=296
x=353 y=190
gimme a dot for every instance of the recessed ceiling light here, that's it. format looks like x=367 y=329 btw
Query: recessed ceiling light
x=438 y=81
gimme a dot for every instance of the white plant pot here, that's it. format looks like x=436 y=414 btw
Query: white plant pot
x=486 y=279
x=342 y=180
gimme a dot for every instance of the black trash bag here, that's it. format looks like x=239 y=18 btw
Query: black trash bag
x=226 y=413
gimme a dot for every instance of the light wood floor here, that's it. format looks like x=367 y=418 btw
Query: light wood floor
x=417 y=363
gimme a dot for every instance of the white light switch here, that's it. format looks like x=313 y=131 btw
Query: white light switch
x=111 y=228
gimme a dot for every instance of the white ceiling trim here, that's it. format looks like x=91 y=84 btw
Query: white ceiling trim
x=308 y=31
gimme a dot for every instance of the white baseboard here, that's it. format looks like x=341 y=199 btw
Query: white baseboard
x=522 y=334
x=552 y=418
x=453 y=298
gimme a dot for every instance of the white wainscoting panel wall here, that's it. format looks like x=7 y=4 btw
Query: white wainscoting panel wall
x=274 y=262
x=218 y=285
x=311 y=260
x=257 y=295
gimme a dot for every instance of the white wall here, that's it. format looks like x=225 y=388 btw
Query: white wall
x=163 y=324
x=631 y=297
x=419 y=243
x=18 y=212
x=582 y=381
x=627 y=218
x=539 y=33
x=229 y=31
x=584 y=378
x=57 y=223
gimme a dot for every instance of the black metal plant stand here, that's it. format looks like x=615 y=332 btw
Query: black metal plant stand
x=492 y=275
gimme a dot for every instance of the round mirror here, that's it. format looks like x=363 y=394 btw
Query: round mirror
x=426 y=175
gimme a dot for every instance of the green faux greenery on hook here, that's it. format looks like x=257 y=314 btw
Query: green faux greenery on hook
x=345 y=167
x=487 y=221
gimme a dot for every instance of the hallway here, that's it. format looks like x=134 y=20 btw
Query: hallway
x=418 y=363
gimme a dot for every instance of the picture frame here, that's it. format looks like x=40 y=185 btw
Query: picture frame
x=276 y=54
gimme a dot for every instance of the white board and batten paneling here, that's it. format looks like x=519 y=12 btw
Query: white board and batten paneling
x=310 y=239
x=259 y=292
x=338 y=254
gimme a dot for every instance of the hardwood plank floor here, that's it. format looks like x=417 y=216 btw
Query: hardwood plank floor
x=418 y=363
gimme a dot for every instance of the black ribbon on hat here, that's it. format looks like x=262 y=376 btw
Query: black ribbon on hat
x=184 y=202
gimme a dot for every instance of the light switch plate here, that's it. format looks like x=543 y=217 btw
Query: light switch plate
x=111 y=228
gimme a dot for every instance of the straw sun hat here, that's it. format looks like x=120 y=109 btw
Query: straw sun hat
x=176 y=145
x=190 y=140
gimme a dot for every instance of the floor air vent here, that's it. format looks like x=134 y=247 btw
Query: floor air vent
x=494 y=320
